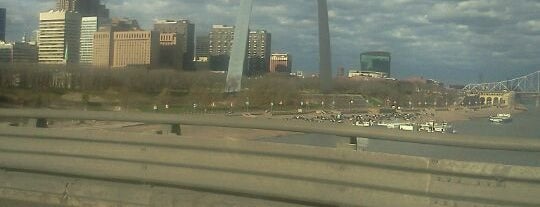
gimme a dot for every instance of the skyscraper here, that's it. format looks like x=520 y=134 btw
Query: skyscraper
x=89 y=26
x=86 y=8
x=202 y=51
x=59 y=37
x=18 y=52
x=171 y=51
x=126 y=48
x=221 y=40
x=130 y=42
x=2 y=24
x=66 y=5
x=185 y=31
x=258 y=52
x=135 y=48
x=102 y=51
x=220 y=45
x=123 y=24
x=376 y=62
x=259 y=48
x=6 y=52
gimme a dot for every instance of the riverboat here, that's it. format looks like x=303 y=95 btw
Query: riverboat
x=501 y=118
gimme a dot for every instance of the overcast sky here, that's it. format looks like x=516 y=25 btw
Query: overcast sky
x=449 y=40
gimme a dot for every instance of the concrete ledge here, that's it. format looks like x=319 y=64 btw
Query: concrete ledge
x=269 y=171
x=513 y=144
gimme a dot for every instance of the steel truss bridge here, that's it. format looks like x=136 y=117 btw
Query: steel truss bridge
x=86 y=168
x=528 y=84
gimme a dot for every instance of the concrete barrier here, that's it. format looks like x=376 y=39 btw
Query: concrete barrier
x=479 y=142
x=262 y=171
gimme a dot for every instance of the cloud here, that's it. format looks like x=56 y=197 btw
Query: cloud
x=446 y=39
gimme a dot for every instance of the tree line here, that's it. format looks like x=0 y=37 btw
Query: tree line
x=206 y=88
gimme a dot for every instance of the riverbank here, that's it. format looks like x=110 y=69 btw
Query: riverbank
x=464 y=114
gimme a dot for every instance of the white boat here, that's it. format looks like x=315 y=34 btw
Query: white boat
x=432 y=126
x=367 y=124
x=364 y=124
x=501 y=118
x=406 y=127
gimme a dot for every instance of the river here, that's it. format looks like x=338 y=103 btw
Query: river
x=526 y=125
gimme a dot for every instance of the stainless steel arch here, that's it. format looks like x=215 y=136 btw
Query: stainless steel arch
x=238 y=57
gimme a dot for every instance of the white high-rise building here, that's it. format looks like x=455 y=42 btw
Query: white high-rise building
x=59 y=37
x=89 y=26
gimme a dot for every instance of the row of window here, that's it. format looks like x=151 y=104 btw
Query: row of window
x=131 y=35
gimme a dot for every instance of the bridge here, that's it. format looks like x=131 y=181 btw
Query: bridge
x=528 y=84
x=503 y=92
x=59 y=167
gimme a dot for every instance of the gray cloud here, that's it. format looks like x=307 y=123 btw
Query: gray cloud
x=445 y=39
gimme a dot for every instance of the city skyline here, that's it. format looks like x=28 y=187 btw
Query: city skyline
x=435 y=39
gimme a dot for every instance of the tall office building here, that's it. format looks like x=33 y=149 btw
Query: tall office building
x=105 y=53
x=122 y=24
x=376 y=62
x=6 y=52
x=202 y=51
x=66 y=5
x=35 y=37
x=220 y=45
x=19 y=52
x=185 y=34
x=3 y=24
x=102 y=51
x=86 y=8
x=135 y=48
x=259 y=48
x=126 y=48
x=89 y=26
x=171 y=50
x=59 y=37
x=281 y=63
x=221 y=40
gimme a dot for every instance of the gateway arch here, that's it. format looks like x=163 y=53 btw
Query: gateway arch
x=238 y=60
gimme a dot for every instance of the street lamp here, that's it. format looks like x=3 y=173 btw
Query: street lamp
x=271 y=107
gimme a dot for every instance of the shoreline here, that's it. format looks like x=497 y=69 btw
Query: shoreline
x=466 y=114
